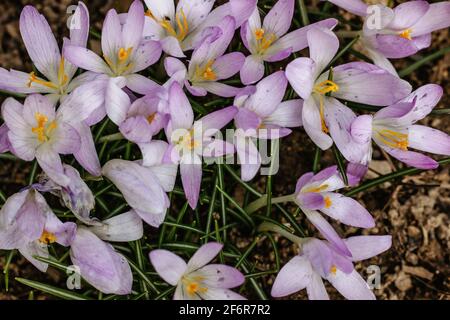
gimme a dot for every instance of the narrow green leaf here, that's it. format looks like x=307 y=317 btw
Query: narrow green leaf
x=57 y=292
x=413 y=67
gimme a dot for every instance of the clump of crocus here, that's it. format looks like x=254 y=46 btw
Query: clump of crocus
x=198 y=280
x=183 y=27
x=190 y=141
x=209 y=64
x=45 y=54
x=394 y=130
x=399 y=32
x=319 y=260
x=269 y=42
x=359 y=82
x=263 y=115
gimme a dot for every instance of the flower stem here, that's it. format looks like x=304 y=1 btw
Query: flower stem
x=262 y=202
x=268 y=226
x=347 y=34
x=112 y=137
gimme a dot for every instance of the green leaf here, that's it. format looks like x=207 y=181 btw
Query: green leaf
x=57 y=292
x=413 y=67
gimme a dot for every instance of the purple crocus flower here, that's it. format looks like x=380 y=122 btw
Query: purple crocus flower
x=262 y=114
x=318 y=260
x=269 y=42
x=99 y=264
x=124 y=54
x=357 y=81
x=190 y=141
x=28 y=224
x=314 y=192
x=184 y=27
x=45 y=54
x=144 y=183
x=394 y=130
x=198 y=280
x=209 y=64
x=399 y=32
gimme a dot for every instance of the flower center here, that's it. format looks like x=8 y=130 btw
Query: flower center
x=263 y=40
x=328 y=202
x=323 y=88
x=406 y=34
x=62 y=78
x=333 y=270
x=123 y=64
x=317 y=189
x=194 y=286
x=151 y=117
x=182 y=25
x=206 y=73
x=43 y=130
x=188 y=142
x=393 y=139
x=47 y=237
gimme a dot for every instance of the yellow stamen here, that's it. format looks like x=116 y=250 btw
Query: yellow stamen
x=193 y=287
x=207 y=72
x=394 y=139
x=259 y=33
x=406 y=34
x=264 y=41
x=47 y=237
x=151 y=117
x=322 y=115
x=328 y=202
x=333 y=270
x=326 y=86
x=62 y=76
x=188 y=141
x=317 y=189
x=35 y=79
x=124 y=54
x=149 y=14
x=42 y=130
x=181 y=21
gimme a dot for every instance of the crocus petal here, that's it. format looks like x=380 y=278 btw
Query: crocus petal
x=181 y=112
x=228 y=65
x=65 y=139
x=248 y=121
x=412 y=159
x=204 y=255
x=122 y=228
x=134 y=25
x=316 y=289
x=64 y=232
x=18 y=81
x=169 y=266
x=153 y=152
x=352 y=286
x=51 y=163
x=365 y=83
x=220 y=89
x=85 y=59
x=357 y=7
x=248 y=157
x=195 y=11
x=328 y=179
x=381 y=61
x=140 y=84
x=35 y=248
x=216 y=120
x=111 y=35
x=323 y=46
x=147 y=54
x=269 y=94
x=327 y=231
x=171 y=46
x=217 y=148
x=293 y=277
x=220 y=276
x=303 y=180
x=312 y=124
x=301 y=75
x=253 y=70
x=79 y=34
x=191 y=177
x=161 y=8
x=5 y=145
x=407 y=14
x=40 y=42
x=278 y=19
x=101 y=266
x=429 y=140
x=287 y=114
x=37 y=103
x=241 y=10
x=310 y=200
x=116 y=101
x=436 y=18
x=136 y=129
x=365 y=247
x=221 y=294
x=347 y=210
x=86 y=154
x=396 y=47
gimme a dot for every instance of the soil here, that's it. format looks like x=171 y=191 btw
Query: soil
x=414 y=210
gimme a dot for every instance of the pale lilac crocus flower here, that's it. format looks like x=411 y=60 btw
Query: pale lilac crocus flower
x=399 y=32
x=28 y=224
x=190 y=141
x=394 y=130
x=124 y=54
x=184 y=27
x=356 y=81
x=198 y=280
x=144 y=183
x=270 y=41
x=45 y=54
x=263 y=115
x=315 y=192
x=318 y=260
x=209 y=64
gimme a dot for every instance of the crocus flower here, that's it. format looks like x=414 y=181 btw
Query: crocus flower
x=318 y=260
x=357 y=81
x=184 y=27
x=198 y=280
x=209 y=64
x=190 y=141
x=28 y=224
x=269 y=42
x=394 y=130
x=144 y=183
x=314 y=192
x=399 y=32
x=45 y=54
x=263 y=115
x=124 y=54
x=99 y=264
